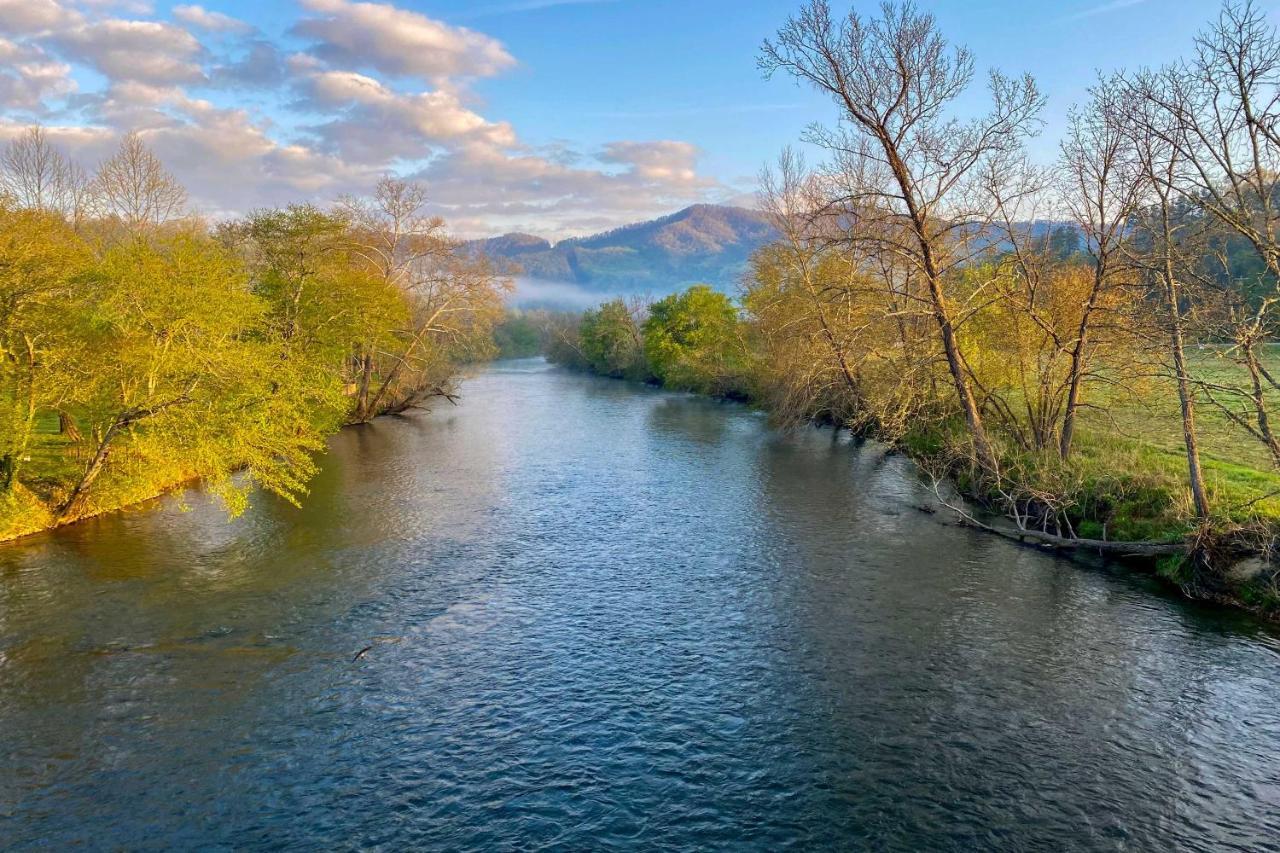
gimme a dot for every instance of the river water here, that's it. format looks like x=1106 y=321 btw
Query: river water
x=598 y=615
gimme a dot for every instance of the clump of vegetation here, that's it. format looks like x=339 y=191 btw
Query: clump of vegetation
x=693 y=341
x=139 y=348
x=609 y=340
x=521 y=334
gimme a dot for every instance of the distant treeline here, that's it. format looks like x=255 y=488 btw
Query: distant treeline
x=140 y=346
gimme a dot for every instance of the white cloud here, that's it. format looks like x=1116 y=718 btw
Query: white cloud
x=666 y=160
x=214 y=22
x=494 y=190
x=375 y=124
x=398 y=42
x=377 y=88
x=135 y=50
x=122 y=7
x=28 y=76
x=29 y=17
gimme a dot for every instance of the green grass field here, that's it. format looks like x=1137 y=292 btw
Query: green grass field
x=1136 y=430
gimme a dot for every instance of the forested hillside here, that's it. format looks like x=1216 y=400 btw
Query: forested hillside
x=703 y=243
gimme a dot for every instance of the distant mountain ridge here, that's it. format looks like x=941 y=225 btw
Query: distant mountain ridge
x=703 y=243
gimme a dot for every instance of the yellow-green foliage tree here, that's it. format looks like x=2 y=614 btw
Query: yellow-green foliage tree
x=693 y=341
x=322 y=301
x=610 y=343
x=191 y=375
x=830 y=344
x=164 y=352
x=44 y=291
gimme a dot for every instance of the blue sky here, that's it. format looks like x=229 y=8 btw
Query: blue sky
x=551 y=117
x=594 y=71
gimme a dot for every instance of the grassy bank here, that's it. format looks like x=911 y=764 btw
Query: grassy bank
x=1123 y=491
x=1139 y=427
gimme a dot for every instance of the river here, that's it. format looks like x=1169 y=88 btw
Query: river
x=599 y=615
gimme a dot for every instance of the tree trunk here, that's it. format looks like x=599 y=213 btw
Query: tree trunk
x=394 y=373
x=362 y=396
x=67 y=426
x=73 y=501
x=1077 y=370
x=1185 y=398
x=973 y=417
x=983 y=451
x=1260 y=402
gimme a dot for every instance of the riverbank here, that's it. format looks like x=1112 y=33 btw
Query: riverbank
x=23 y=513
x=133 y=480
x=1223 y=562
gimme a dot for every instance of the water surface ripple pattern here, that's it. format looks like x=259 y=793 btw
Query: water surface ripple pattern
x=595 y=615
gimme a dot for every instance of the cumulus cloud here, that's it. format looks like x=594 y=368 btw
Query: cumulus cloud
x=666 y=160
x=214 y=22
x=374 y=123
x=29 y=17
x=135 y=50
x=28 y=76
x=374 y=89
x=122 y=7
x=399 y=42
x=479 y=184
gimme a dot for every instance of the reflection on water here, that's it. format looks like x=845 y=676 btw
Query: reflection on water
x=597 y=614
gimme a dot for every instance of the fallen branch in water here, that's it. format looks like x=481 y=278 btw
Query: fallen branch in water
x=1025 y=536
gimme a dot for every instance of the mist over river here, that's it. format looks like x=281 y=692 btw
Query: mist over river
x=573 y=613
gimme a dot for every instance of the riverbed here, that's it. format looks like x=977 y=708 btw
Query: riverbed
x=574 y=613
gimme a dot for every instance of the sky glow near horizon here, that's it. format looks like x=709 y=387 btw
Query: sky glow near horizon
x=556 y=117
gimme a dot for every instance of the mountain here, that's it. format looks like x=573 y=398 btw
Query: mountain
x=704 y=243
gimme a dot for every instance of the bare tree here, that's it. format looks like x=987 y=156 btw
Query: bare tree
x=1219 y=116
x=1162 y=254
x=1100 y=188
x=796 y=206
x=134 y=187
x=37 y=176
x=451 y=294
x=1224 y=109
x=900 y=156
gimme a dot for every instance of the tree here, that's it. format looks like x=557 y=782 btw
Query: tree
x=37 y=176
x=1218 y=113
x=609 y=340
x=905 y=170
x=1161 y=247
x=133 y=187
x=174 y=314
x=1101 y=187
x=455 y=298
x=43 y=292
x=521 y=334
x=797 y=300
x=692 y=341
x=323 y=301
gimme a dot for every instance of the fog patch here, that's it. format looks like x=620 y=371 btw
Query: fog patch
x=556 y=295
